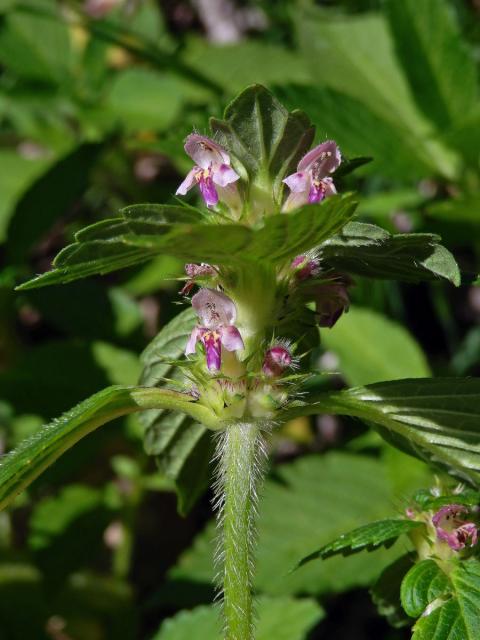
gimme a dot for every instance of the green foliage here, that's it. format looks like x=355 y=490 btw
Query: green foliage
x=35 y=454
x=434 y=419
x=448 y=604
x=282 y=618
x=370 y=536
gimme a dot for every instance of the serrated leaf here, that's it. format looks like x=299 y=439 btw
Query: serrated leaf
x=279 y=618
x=372 y=348
x=448 y=606
x=367 y=250
x=437 y=420
x=21 y=466
x=182 y=448
x=432 y=50
x=369 y=536
x=145 y=231
x=304 y=504
x=424 y=583
x=267 y=139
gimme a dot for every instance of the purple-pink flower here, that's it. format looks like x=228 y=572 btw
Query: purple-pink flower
x=305 y=266
x=451 y=527
x=212 y=171
x=217 y=314
x=312 y=182
x=100 y=8
x=195 y=271
x=277 y=359
x=331 y=300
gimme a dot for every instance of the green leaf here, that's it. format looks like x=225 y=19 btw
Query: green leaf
x=370 y=536
x=21 y=466
x=436 y=419
x=44 y=59
x=260 y=133
x=279 y=618
x=370 y=74
x=372 y=348
x=424 y=583
x=147 y=230
x=367 y=250
x=182 y=448
x=306 y=503
x=432 y=50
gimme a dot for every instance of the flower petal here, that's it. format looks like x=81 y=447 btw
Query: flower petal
x=192 y=341
x=188 y=183
x=295 y=200
x=214 y=308
x=224 y=175
x=298 y=182
x=208 y=191
x=231 y=338
x=325 y=156
x=213 y=349
x=205 y=151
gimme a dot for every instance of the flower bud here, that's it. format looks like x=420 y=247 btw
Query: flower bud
x=305 y=267
x=277 y=359
x=331 y=301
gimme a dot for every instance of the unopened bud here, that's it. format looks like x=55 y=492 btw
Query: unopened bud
x=277 y=359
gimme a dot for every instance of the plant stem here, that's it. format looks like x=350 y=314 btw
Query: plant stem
x=241 y=456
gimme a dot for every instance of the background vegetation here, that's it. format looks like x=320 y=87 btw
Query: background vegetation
x=93 y=113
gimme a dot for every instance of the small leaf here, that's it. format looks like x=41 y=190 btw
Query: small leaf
x=267 y=139
x=367 y=250
x=437 y=420
x=370 y=536
x=424 y=583
x=21 y=466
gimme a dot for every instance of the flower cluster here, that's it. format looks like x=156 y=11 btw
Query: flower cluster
x=452 y=527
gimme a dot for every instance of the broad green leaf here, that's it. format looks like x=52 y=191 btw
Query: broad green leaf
x=437 y=420
x=370 y=74
x=23 y=52
x=145 y=231
x=370 y=536
x=21 y=466
x=279 y=618
x=367 y=250
x=448 y=606
x=432 y=50
x=182 y=448
x=424 y=583
x=372 y=348
x=267 y=139
x=305 y=504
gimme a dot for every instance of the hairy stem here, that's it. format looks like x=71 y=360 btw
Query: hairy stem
x=241 y=456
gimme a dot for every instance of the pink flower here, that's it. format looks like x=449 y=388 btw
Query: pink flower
x=451 y=527
x=217 y=315
x=311 y=183
x=212 y=171
x=277 y=359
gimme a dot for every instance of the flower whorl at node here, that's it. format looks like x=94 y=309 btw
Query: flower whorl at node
x=451 y=527
x=212 y=171
x=217 y=314
x=311 y=182
x=277 y=359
